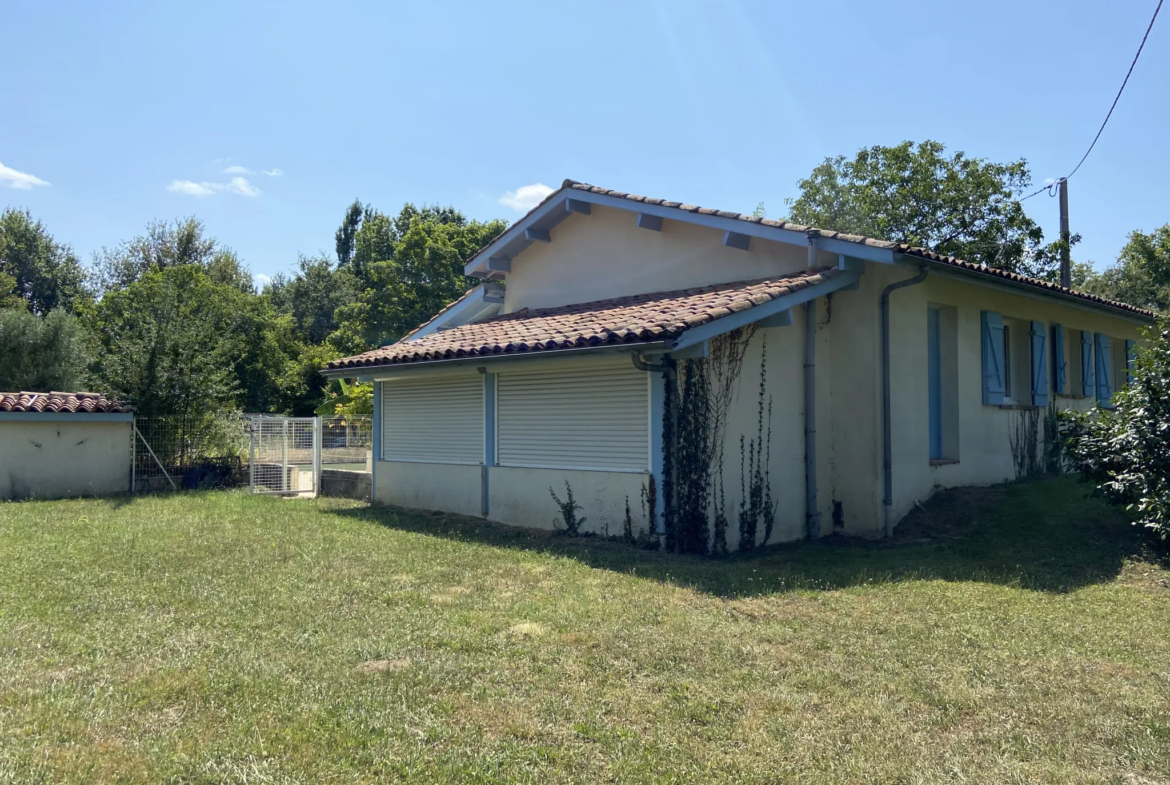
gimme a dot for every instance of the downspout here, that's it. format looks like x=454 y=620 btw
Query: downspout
x=667 y=487
x=811 y=513
x=887 y=435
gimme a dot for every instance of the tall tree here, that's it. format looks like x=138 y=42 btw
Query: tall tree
x=47 y=274
x=313 y=296
x=408 y=268
x=347 y=231
x=1141 y=275
x=916 y=194
x=165 y=245
x=41 y=353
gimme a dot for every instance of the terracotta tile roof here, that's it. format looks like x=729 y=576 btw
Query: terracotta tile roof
x=902 y=248
x=56 y=402
x=635 y=319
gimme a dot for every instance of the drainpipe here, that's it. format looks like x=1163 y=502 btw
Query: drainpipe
x=811 y=513
x=667 y=487
x=887 y=434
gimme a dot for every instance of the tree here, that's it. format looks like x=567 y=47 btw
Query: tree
x=347 y=231
x=41 y=353
x=168 y=245
x=1126 y=452
x=407 y=269
x=954 y=205
x=1141 y=275
x=46 y=273
x=313 y=296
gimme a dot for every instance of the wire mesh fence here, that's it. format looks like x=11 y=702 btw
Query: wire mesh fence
x=347 y=442
x=283 y=454
x=187 y=452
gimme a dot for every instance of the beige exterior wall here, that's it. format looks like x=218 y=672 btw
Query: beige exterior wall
x=605 y=254
x=985 y=454
x=430 y=486
x=61 y=459
x=520 y=497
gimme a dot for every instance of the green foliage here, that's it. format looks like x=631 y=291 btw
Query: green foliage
x=41 y=353
x=407 y=269
x=1141 y=275
x=346 y=233
x=693 y=460
x=569 y=508
x=313 y=296
x=353 y=398
x=965 y=207
x=166 y=245
x=43 y=273
x=1125 y=451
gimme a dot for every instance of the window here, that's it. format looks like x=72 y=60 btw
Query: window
x=1074 y=366
x=1009 y=391
x=942 y=371
x=1017 y=362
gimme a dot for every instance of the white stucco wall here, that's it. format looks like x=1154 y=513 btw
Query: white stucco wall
x=430 y=486
x=61 y=459
x=605 y=254
x=520 y=497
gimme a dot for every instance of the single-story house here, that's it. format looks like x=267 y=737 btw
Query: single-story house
x=860 y=375
x=62 y=444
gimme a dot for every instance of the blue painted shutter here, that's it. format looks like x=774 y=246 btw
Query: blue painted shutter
x=1059 y=362
x=1130 y=356
x=1086 y=364
x=993 y=388
x=1039 y=365
x=1104 y=383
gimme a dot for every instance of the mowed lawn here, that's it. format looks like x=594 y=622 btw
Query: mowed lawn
x=1012 y=634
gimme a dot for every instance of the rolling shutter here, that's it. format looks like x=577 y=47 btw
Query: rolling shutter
x=436 y=419
x=1039 y=364
x=574 y=415
x=1059 y=361
x=993 y=380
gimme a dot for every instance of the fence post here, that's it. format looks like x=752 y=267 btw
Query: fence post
x=317 y=455
x=251 y=455
x=285 y=485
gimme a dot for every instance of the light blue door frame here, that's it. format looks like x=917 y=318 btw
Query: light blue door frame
x=934 y=376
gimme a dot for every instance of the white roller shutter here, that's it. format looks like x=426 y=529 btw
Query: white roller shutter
x=437 y=419
x=574 y=415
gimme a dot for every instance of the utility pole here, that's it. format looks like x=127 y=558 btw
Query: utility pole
x=1065 y=263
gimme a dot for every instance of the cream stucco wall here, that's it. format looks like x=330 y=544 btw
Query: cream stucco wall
x=605 y=254
x=985 y=454
x=520 y=497
x=60 y=459
x=430 y=486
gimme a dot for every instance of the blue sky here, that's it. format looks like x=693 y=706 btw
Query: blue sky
x=130 y=112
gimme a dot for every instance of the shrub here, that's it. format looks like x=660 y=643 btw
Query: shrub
x=1125 y=451
x=569 y=508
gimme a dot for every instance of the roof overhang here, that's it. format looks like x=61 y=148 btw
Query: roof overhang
x=494 y=260
x=66 y=416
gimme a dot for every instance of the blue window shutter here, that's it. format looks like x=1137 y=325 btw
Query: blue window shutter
x=1059 y=362
x=1104 y=383
x=1130 y=356
x=1039 y=365
x=993 y=389
x=1086 y=364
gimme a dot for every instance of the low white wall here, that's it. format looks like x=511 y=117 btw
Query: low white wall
x=430 y=486
x=520 y=497
x=60 y=459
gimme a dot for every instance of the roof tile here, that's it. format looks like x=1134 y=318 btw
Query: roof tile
x=61 y=402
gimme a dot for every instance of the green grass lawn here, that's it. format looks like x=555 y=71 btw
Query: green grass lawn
x=1012 y=634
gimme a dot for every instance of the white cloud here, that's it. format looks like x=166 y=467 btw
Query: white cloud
x=237 y=170
x=274 y=172
x=193 y=189
x=238 y=185
x=525 y=197
x=260 y=280
x=20 y=180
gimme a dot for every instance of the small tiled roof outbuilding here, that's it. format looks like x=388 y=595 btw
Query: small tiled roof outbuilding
x=636 y=318
x=61 y=402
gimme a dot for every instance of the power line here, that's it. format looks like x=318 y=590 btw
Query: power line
x=1119 y=92
x=1051 y=186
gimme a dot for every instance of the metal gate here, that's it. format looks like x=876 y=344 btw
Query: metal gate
x=285 y=454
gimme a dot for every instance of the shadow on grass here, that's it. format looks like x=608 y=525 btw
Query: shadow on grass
x=1044 y=535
